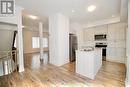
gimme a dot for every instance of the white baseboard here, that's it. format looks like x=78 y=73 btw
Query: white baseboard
x=126 y=84
x=118 y=61
x=21 y=69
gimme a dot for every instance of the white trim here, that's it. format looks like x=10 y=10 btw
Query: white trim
x=21 y=69
x=102 y=22
x=117 y=61
x=6 y=26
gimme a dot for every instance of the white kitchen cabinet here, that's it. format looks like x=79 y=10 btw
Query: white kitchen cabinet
x=89 y=35
x=111 y=32
x=121 y=32
x=116 y=40
x=100 y=30
x=111 y=53
x=120 y=44
x=88 y=63
x=116 y=54
x=111 y=43
x=90 y=32
x=120 y=53
x=116 y=31
x=117 y=44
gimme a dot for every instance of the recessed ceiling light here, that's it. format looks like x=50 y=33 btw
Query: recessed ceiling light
x=73 y=11
x=33 y=17
x=91 y=8
x=23 y=26
x=113 y=16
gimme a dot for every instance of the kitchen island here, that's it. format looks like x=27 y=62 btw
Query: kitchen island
x=88 y=62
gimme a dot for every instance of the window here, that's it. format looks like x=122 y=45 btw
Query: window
x=45 y=42
x=36 y=42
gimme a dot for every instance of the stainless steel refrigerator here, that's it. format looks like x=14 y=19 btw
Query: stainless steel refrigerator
x=72 y=47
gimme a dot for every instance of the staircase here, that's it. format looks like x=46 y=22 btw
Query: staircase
x=8 y=59
x=7 y=63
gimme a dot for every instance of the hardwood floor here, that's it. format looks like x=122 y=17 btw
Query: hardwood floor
x=38 y=74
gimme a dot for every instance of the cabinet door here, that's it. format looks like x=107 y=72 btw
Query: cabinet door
x=120 y=32
x=89 y=35
x=100 y=29
x=111 y=44
x=116 y=54
x=120 y=53
x=117 y=44
x=111 y=32
x=111 y=53
x=116 y=31
x=121 y=44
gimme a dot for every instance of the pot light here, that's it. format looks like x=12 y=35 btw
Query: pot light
x=113 y=16
x=33 y=17
x=73 y=11
x=23 y=26
x=91 y=8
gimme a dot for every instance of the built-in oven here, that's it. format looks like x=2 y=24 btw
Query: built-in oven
x=104 y=50
x=100 y=37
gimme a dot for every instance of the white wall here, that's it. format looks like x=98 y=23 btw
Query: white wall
x=6 y=40
x=6 y=32
x=77 y=29
x=59 y=39
x=27 y=39
x=72 y=29
x=128 y=49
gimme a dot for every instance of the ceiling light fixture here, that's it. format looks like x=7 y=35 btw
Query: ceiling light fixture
x=33 y=17
x=23 y=26
x=73 y=11
x=91 y=8
x=113 y=16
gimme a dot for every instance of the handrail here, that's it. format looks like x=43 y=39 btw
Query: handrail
x=9 y=61
x=6 y=56
x=9 y=51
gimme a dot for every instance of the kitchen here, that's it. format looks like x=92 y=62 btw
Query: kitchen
x=111 y=38
x=98 y=50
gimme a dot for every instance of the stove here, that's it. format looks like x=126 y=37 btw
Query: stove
x=102 y=45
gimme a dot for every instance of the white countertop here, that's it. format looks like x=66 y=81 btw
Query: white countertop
x=89 y=49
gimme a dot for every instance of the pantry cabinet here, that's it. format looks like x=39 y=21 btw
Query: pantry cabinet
x=116 y=31
x=116 y=42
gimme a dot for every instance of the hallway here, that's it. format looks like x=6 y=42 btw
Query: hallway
x=38 y=74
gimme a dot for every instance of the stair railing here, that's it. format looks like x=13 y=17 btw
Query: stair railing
x=8 y=62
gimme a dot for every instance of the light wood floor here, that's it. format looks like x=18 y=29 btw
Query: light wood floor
x=38 y=74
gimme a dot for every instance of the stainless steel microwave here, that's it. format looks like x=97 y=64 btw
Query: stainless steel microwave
x=100 y=37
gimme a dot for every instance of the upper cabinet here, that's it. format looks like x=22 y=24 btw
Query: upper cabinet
x=89 y=34
x=121 y=29
x=111 y=33
x=116 y=32
x=100 y=30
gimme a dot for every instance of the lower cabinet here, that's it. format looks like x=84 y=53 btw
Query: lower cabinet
x=116 y=54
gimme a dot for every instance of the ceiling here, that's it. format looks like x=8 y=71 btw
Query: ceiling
x=44 y=8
